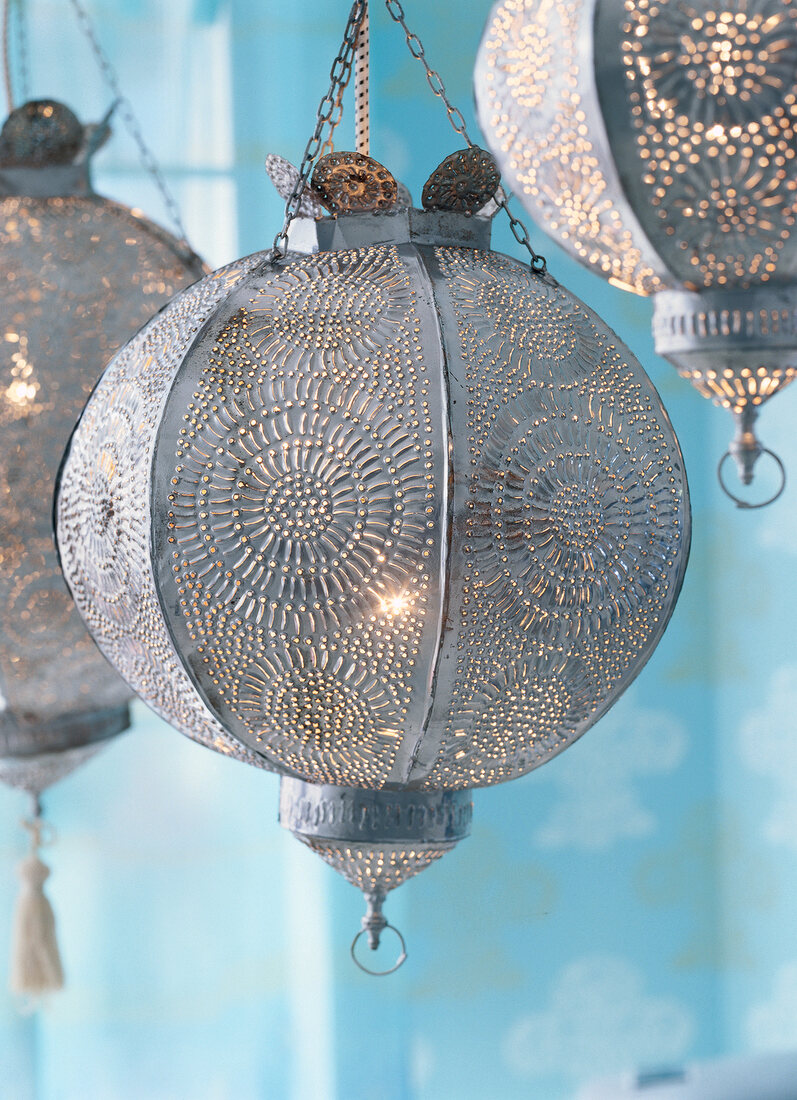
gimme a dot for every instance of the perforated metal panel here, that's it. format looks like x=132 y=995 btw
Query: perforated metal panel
x=675 y=122
x=416 y=517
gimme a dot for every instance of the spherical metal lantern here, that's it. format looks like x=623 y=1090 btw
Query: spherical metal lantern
x=656 y=143
x=79 y=274
x=395 y=519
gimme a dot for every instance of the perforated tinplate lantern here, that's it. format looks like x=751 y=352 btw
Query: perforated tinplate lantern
x=78 y=276
x=656 y=143
x=397 y=519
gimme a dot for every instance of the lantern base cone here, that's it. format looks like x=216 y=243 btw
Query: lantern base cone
x=375 y=839
x=33 y=757
x=737 y=347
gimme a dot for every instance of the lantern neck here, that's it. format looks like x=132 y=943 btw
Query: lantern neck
x=50 y=181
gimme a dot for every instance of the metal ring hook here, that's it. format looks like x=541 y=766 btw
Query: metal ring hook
x=738 y=501
x=380 y=973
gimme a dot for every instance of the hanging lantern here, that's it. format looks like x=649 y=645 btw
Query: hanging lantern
x=656 y=143
x=78 y=275
x=396 y=518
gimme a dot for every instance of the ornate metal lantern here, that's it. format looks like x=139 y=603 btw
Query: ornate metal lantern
x=395 y=518
x=78 y=275
x=656 y=143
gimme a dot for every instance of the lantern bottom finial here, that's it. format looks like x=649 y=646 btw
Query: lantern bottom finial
x=745 y=449
x=374 y=924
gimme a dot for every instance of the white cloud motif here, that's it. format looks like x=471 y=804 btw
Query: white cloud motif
x=600 y=1021
x=772 y=1024
x=768 y=744
x=778 y=528
x=599 y=802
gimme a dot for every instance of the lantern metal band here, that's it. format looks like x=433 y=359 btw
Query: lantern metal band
x=321 y=812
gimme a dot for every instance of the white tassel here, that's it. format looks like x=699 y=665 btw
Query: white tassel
x=35 y=959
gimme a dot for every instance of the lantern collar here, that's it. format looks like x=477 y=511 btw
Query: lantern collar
x=402 y=225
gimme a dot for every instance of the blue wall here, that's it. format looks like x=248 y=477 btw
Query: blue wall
x=633 y=903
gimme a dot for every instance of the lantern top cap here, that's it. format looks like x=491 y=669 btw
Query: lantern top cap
x=44 y=133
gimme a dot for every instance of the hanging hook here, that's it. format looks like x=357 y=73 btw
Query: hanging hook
x=739 y=501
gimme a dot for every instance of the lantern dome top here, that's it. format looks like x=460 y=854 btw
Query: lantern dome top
x=45 y=151
x=40 y=133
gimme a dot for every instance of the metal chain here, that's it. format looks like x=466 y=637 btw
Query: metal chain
x=14 y=11
x=455 y=117
x=23 y=56
x=148 y=162
x=337 y=115
x=9 y=87
x=339 y=76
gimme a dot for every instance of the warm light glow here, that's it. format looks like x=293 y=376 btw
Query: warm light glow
x=395 y=605
x=21 y=393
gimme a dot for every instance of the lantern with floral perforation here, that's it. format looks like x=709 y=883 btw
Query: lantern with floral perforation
x=655 y=141
x=397 y=517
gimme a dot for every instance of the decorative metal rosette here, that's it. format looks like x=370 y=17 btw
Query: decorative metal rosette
x=349 y=183
x=464 y=181
x=284 y=176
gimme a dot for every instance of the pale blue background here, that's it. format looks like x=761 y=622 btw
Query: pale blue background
x=632 y=903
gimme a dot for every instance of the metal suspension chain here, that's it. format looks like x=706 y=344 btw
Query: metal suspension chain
x=22 y=51
x=339 y=76
x=455 y=117
x=9 y=87
x=146 y=157
x=337 y=115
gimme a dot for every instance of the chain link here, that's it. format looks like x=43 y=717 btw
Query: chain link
x=337 y=115
x=146 y=157
x=455 y=117
x=23 y=56
x=339 y=76
x=9 y=86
